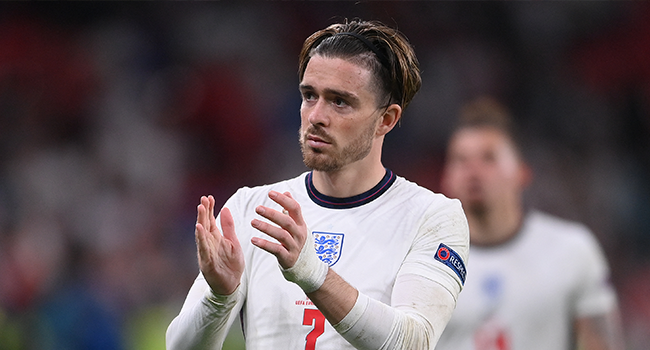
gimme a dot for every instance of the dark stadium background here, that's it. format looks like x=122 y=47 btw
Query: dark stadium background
x=116 y=117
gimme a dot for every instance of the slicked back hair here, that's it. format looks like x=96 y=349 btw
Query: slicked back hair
x=390 y=57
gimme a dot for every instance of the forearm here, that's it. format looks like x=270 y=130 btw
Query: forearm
x=349 y=311
x=204 y=323
x=420 y=312
x=335 y=298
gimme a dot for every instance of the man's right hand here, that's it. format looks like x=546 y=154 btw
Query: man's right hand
x=220 y=256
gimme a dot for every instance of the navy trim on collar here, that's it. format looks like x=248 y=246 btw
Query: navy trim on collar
x=349 y=202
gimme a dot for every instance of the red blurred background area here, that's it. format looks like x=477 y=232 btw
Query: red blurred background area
x=116 y=117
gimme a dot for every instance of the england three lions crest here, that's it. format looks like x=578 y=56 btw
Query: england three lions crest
x=328 y=246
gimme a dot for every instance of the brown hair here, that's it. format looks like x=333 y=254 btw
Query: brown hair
x=488 y=112
x=383 y=50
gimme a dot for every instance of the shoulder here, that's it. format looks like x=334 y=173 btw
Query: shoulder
x=414 y=195
x=440 y=248
x=560 y=232
x=556 y=227
x=437 y=214
x=441 y=219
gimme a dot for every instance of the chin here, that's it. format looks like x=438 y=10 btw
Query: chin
x=319 y=162
x=322 y=166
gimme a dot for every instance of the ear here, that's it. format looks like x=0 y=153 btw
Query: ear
x=389 y=119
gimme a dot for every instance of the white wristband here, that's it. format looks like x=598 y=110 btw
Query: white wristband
x=309 y=271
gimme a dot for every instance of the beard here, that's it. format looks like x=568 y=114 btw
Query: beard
x=335 y=158
x=472 y=194
x=476 y=209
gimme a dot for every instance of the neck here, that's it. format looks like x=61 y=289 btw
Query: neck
x=348 y=181
x=494 y=226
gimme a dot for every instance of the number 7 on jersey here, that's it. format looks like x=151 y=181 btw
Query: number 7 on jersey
x=313 y=317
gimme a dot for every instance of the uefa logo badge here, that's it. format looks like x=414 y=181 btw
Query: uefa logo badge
x=328 y=246
x=449 y=257
x=443 y=253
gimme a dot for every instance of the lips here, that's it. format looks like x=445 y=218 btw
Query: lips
x=313 y=139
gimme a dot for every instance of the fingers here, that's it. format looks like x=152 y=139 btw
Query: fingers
x=228 y=226
x=285 y=256
x=290 y=219
x=206 y=232
x=282 y=233
x=290 y=234
x=204 y=212
x=213 y=221
x=211 y=202
x=273 y=248
x=288 y=203
x=287 y=233
x=204 y=245
x=290 y=207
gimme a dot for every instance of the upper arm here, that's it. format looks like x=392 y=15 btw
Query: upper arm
x=440 y=250
x=433 y=273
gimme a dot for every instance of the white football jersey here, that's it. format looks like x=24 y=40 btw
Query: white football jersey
x=526 y=293
x=395 y=228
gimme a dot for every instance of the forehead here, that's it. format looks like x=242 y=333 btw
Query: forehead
x=324 y=73
x=481 y=139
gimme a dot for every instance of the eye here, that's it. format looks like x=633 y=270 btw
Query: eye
x=308 y=96
x=339 y=102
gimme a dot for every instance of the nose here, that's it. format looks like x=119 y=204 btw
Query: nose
x=317 y=113
x=467 y=167
x=474 y=167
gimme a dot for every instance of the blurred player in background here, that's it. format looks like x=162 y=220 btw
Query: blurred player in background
x=348 y=255
x=535 y=281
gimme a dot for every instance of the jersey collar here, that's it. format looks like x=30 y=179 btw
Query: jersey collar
x=349 y=202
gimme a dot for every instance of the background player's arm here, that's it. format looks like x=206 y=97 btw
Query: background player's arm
x=597 y=323
x=601 y=332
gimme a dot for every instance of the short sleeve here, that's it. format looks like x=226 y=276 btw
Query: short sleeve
x=595 y=294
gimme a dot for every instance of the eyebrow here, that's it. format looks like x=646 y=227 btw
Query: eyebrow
x=343 y=94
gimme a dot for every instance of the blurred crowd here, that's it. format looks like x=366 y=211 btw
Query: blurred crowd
x=116 y=117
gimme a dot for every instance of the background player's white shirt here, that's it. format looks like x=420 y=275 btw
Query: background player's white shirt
x=526 y=293
x=395 y=228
